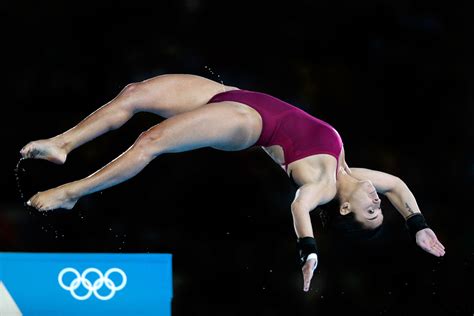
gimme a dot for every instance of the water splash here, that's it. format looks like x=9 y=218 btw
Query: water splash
x=119 y=237
x=17 y=177
x=47 y=228
x=218 y=76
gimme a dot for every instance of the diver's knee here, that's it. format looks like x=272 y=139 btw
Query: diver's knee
x=132 y=88
x=132 y=94
x=148 y=144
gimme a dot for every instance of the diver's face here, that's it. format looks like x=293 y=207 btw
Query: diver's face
x=365 y=204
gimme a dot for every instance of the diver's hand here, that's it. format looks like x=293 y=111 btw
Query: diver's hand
x=308 y=271
x=428 y=241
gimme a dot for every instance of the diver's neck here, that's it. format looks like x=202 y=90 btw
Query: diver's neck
x=345 y=183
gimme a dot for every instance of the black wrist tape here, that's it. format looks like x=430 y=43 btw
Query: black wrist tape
x=415 y=223
x=306 y=246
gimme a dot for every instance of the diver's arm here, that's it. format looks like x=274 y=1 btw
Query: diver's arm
x=403 y=199
x=307 y=198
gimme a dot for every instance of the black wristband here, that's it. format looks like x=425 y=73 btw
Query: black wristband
x=306 y=246
x=416 y=223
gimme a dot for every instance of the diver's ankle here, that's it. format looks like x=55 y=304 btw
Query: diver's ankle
x=62 y=144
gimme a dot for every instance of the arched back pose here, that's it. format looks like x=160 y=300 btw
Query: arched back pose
x=202 y=113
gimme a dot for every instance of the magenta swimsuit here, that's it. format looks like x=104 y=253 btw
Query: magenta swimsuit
x=298 y=133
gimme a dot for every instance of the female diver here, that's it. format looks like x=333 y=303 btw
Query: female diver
x=203 y=113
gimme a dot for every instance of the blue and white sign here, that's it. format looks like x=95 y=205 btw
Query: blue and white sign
x=85 y=284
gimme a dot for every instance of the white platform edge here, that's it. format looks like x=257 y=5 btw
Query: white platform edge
x=8 y=306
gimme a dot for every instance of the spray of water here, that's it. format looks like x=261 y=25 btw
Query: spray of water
x=218 y=76
x=17 y=177
x=19 y=172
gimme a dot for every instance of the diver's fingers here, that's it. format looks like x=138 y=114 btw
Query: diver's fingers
x=307 y=276
x=439 y=249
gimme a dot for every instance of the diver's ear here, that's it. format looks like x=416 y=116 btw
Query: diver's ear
x=345 y=208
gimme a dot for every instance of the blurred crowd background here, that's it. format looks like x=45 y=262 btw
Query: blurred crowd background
x=393 y=77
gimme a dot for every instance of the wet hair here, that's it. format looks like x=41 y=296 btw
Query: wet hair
x=345 y=226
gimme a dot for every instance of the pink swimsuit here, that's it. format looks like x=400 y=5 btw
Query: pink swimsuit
x=298 y=133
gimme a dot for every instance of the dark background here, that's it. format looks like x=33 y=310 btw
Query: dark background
x=393 y=77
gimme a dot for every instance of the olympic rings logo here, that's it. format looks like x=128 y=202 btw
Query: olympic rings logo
x=81 y=279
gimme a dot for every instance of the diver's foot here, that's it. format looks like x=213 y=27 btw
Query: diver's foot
x=47 y=149
x=52 y=199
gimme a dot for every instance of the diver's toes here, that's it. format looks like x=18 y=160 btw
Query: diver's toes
x=25 y=148
x=33 y=153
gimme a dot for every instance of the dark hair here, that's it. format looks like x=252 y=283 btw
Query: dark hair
x=345 y=226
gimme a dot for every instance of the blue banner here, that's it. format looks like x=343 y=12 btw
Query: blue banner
x=85 y=284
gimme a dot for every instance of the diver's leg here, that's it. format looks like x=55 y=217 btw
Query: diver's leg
x=225 y=126
x=165 y=95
